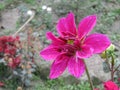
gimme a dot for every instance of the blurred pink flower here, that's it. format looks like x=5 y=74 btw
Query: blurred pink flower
x=73 y=45
x=1 y=84
x=96 y=89
x=109 y=85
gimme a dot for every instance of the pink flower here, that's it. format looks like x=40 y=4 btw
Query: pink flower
x=96 y=89
x=109 y=85
x=118 y=79
x=14 y=62
x=73 y=45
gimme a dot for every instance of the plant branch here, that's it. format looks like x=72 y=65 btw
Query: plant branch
x=112 y=68
x=117 y=68
x=107 y=60
x=31 y=17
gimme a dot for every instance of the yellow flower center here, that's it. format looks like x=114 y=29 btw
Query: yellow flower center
x=70 y=42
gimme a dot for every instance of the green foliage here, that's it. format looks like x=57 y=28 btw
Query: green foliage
x=35 y=78
x=111 y=63
x=3 y=74
x=81 y=86
x=58 y=84
x=12 y=84
x=2 y=6
x=115 y=37
x=7 y=32
x=6 y=4
x=32 y=2
x=9 y=1
x=105 y=67
x=106 y=21
x=83 y=8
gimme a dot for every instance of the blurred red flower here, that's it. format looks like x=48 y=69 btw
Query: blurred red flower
x=14 y=62
x=8 y=46
x=1 y=84
x=109 y=85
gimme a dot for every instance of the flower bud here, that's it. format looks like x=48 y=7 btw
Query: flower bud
x=19 y=88
x=111 y=48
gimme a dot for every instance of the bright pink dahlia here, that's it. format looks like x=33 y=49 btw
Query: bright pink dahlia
x=73 y=45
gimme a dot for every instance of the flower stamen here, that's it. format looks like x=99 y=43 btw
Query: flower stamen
x=70 y=42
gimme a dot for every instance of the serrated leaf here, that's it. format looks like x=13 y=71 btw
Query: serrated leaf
x=29 y=75
x=15 y=72
x=2 y=60
x=27 y=82
x=24 y=72
x=105 y=67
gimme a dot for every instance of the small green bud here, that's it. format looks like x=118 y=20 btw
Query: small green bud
x=103 y=55
x=111 y=48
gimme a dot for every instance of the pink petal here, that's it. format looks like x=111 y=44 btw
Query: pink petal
x=76 y=67
x=61 y=27
x=55 y=40
x=50 y=53
x=71 y=23
x=98 y=42
x=58 y=66
x=85 y=52
x=66 y=26
x=86 y=25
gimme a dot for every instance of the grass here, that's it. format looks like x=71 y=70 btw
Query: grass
x=31 y=2
x=115 y=37
x=6 y=4
x=56 y=84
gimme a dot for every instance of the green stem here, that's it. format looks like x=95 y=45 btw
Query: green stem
x=88 y=75
x=112 y=75
x=107 y=61
x=112 y=68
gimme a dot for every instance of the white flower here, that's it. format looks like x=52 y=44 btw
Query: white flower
x=35 y=34
x=49 y=9
x=30 y=12
x=44 y=7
